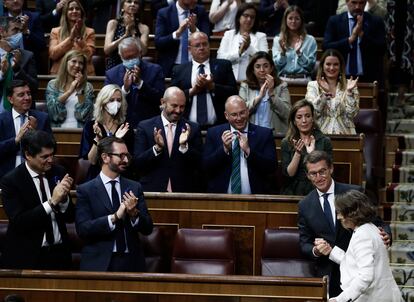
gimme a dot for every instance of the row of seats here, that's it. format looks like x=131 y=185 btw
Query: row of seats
x=208 y=251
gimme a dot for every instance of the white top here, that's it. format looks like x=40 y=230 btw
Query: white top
x=228 y=20
x=229 y=50
x=211 y=113
x=71 y=121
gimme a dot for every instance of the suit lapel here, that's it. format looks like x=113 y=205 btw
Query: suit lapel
x=102 y=194
x=174 y=16
x=9 y=121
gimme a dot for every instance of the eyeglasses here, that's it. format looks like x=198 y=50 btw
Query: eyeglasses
x=122 y=156
x=322 y=172
x=249 y=16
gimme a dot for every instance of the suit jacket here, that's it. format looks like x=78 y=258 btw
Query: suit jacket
x=58 y=48
x=181 y=168
x=372 y=44
x=313 y=223
x=261 y=161
x=45 y=9
x=8 y=147
x=365 y=271
x=143 y=103
x=28 y=219
x=225 y=84
x=26 y=70
x=92 y=209
x=167 y=23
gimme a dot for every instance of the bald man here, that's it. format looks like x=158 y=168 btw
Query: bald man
x=168 y=148
x=206 y=82
x=238 y=156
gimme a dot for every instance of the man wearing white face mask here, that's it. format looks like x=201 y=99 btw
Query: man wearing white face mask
x=23 y=66
x=142 y=82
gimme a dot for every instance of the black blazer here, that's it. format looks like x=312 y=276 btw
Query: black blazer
x=28 y=219
x=180 y=168
x=225 y=84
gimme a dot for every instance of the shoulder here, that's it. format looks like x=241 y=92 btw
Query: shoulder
x=149 y=123
x=305 y=202
x=152 y=66
x=89 y=30
x=38 y=114
x=310 y=39
x=282 y=85
x=55 y=30
x=178 y=69
x=116 y=69
x=200 y=8
x=259 y=129
x=229 y=34
x=166 y=10
x=112 y=24
x=218 y=129
x=312 y=84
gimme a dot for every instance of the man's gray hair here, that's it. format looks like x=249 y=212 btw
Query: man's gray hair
x=127 y=42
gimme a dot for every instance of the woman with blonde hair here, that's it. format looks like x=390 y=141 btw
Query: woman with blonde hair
x=69 y=97
x=303 y=137
x=72 y=34
x=294 y=51
x=126 y=25
x=336 y=99
x=109 y=116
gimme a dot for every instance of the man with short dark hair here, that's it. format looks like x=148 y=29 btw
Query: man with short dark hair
x=15 y=123
x=110 y=211
x=318 y=225
x=142 y=82
x=238 y=155
x=36 y=201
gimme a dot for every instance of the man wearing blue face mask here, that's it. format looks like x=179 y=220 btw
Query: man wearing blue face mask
x=20 y=62
x=142 y=82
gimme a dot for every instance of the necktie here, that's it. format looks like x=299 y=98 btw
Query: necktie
x=22 y=121
x=327 y=210
x=50 y=238
x=119 y=227
x=235 y=179
x=202 y=102
x=170 y=142
x=353 y=55
x=184 y=42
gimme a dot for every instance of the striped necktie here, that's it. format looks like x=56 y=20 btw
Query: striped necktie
x=235 y=179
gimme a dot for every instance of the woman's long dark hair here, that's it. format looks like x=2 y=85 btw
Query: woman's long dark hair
x=242 y=8
x=251 y=79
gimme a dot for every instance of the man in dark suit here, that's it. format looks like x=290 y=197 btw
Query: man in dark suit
x=207 y=83
x=50 y=12
x=31 y=27
x=15 y=123
x=36 y=200
x=142 y=82
x=360 y=37
x=168 y=148
x=110 y=212
x=238 y=155
x=173 y=27
x=318 y=226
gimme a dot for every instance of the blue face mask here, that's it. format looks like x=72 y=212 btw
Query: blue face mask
x=15 y=41
x=129 y=64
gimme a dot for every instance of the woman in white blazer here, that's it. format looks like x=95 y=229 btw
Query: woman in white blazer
x=365 y=272
x=240 y=44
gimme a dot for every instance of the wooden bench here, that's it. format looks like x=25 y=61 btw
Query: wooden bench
x=127 y=287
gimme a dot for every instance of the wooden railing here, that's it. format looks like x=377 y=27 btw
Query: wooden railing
x=126 y=287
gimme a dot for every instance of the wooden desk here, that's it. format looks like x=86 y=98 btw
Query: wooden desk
x=40 y=286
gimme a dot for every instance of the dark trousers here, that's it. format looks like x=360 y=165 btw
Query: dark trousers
x=123 y=262
x=54 y=257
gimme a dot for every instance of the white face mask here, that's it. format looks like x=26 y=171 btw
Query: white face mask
x=113 y=107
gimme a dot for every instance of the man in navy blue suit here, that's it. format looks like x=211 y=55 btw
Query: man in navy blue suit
x=174 y=25
x=206 y=91
x=168 y=148
x=15 y=123
x=238 y=156
x=33 y=37
x=318 y=226
x=141 y=81
x=110 y=212
x=360 y=37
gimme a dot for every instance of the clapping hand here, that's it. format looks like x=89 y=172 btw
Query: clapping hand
x=298 y=44
x=298 y=145
x=245 y=42
x=159 y=140
x=130 y=201
x=351 y=84
x=122 y=130
x=227 y=139
x=244 y=143
x=185 y=133
x=62 y=189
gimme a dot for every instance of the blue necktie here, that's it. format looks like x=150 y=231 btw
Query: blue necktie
x=184 y=42
x=119 y=227
x=235 y=179
x=22 y=121
x=327 y=210
x=202 y=102
x=353 y=55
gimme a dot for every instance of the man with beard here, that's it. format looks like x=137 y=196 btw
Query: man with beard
x=168 y=147
x=110 y=212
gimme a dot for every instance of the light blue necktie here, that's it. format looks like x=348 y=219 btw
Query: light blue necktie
x=22 y=121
